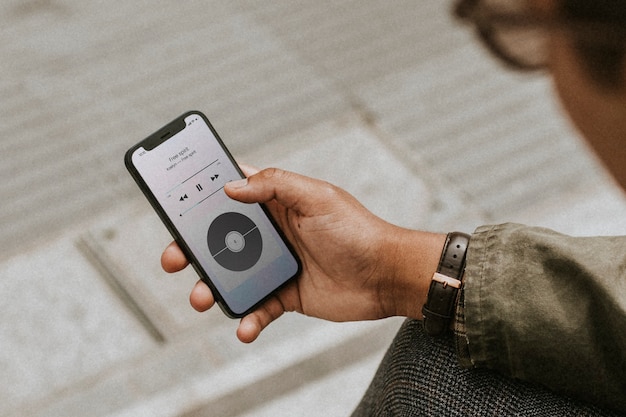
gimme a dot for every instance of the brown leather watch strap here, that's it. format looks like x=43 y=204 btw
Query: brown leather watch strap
x=445 y=285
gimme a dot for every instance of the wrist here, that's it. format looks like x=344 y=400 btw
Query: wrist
x=414 y=260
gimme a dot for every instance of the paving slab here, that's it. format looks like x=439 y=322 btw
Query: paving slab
x=127 y=248
x=337 y=394
x=61 y=325
x=286 y=366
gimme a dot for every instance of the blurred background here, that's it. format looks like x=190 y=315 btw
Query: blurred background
x=391 y=100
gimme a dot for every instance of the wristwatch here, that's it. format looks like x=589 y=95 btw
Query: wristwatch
x=445 y=285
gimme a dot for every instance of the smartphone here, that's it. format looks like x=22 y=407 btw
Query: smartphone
x=235 y=248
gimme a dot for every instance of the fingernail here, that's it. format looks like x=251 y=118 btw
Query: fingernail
x=238 y=183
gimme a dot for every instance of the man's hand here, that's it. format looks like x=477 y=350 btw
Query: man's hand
x=355 y=265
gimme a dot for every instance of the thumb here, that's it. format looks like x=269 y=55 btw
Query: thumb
x=293 y=191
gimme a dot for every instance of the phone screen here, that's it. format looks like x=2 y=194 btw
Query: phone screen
x=234 y=247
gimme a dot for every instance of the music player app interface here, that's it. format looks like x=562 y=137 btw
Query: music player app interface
x=234 y=243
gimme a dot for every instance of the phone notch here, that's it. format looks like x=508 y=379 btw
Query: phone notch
x=163 y=134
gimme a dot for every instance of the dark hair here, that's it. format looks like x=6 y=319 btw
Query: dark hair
x=604 y=57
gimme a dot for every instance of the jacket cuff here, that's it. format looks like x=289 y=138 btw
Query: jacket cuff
x=460 y=335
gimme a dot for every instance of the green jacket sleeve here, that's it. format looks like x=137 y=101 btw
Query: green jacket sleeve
x=550 y=309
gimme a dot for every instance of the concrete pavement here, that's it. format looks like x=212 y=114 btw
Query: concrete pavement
x=390 y=100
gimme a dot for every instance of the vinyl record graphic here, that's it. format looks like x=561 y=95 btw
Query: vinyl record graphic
x=234 y=241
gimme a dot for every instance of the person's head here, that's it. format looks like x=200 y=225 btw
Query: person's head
x=583 y=45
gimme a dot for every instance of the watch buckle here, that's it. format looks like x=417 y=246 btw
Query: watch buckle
x=446 y=280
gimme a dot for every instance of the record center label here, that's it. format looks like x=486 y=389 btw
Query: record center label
x=234 y=241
